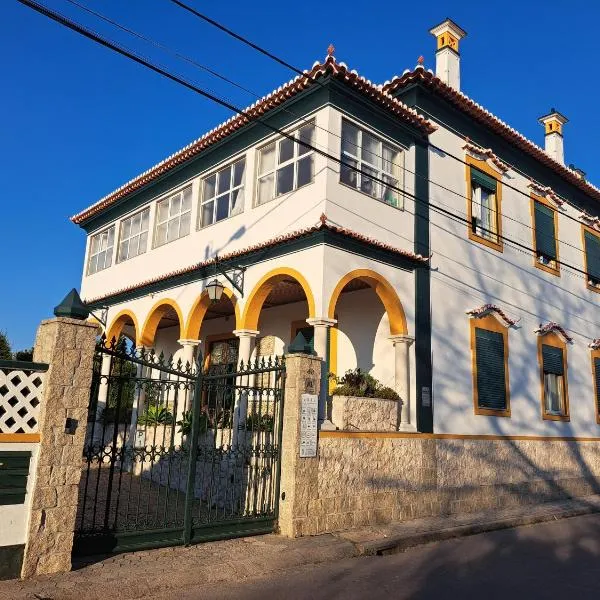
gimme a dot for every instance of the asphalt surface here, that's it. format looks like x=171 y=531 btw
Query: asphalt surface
x=559 y=559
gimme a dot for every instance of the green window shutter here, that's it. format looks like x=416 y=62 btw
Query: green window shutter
x=597 y=378
x=491 y=376
x=483 y=179
x=592 y=252
x=545 y=235
x=553 y=359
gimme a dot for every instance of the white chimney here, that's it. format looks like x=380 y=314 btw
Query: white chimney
x=447 y=58
x=553 y=124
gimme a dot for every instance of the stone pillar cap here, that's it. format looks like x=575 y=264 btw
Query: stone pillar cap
x=245 y=332
x=400 y=338
x=323 y=321
x=188 y=342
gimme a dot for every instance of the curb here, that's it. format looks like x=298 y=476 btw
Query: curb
x=399 y=543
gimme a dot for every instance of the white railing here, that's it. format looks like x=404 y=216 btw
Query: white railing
x=21 y=385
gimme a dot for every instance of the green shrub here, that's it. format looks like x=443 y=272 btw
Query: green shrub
x=156 y=415
x=361 y=384
x=256 y=422
x=185 y=424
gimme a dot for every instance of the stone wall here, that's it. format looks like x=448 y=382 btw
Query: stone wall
x=350 y=413
x=367 y=479
x=67 y=346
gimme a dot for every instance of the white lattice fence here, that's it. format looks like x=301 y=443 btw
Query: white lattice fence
x=20 y=396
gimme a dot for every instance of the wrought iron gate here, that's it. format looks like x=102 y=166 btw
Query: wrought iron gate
x=177 y=454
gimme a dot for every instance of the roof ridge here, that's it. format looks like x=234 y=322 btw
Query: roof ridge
x=255 y=111
x=428 y=76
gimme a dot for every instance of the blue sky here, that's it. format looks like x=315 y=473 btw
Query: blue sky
x=77 y=120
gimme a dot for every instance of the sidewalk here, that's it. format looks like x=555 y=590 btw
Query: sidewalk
x=169 y=571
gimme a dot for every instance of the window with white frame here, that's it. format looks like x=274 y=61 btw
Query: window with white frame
x=173 y=216
x=223 y=194
x=370 y=165
x=484 y=205
x=133 y=235
x=286 y=165
x=101 y=250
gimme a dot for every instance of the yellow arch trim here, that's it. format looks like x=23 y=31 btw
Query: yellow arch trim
x=119 y=322
x=263 y=288
x=153 y=319
x=383 y=289
x=198 y=312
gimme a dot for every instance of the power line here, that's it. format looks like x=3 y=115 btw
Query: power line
x=62 y=20
x=301 y=117
x=297 y=70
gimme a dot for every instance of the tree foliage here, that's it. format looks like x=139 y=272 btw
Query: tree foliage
x=5 y=349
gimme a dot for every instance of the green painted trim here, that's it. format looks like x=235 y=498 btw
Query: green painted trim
x=314 y=238
x=110 y=543
x=23 y=365
x=423 y=362
x=11 y=561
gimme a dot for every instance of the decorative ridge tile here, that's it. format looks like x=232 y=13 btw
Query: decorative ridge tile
x=552 y=327
x=487 y=309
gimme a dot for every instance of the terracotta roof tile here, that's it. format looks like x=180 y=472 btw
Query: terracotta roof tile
x=255 y=111
x=322 y=225
x=475 y=110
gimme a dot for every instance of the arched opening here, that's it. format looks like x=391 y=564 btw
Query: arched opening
x=163 y=327
x=368 y=311
x=278 y=307
x=124 y=323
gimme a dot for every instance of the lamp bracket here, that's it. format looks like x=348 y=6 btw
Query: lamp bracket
x=234 y=275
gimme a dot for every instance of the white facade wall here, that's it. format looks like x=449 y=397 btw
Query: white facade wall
x=466 y=275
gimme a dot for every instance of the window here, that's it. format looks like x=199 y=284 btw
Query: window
x=545 y=236
x=377 y=162
x=484 y=210
x=553 y=367
x=592 y=259
x=101 y=250
x=223 y=194
x=133 y=235
x=173 y=217
x=596 y=377
x=489 y=347
x=285 y=165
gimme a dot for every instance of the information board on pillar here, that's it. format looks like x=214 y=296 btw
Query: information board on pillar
x=309 y=408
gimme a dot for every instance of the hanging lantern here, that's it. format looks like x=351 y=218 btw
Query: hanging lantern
x=215 y=290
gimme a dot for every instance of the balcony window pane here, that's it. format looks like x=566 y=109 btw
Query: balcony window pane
x=305 y=170
x=286 y=150
x=175 y=207
x=348 y=175
x=267 y=159
x=238 y=173
x=172 y=230
x=349 y=139
x=265 y=188
x=210 y=184
x=285 y=179
x=237 y=202
x=222 y=207
x=207 y=213
x=306 y=135
x=224 y=180
x=161 y=234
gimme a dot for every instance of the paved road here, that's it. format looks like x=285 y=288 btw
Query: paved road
x=552 y=560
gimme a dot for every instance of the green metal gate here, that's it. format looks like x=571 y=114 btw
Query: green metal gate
x=176 y=454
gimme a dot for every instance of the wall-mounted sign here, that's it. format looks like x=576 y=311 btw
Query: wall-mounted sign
x=309 y=408
x=426 y=396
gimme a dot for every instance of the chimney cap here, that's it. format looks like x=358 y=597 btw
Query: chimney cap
x=554 y=114
x=448 y=25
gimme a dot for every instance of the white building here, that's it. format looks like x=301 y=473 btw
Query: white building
x=469 y=240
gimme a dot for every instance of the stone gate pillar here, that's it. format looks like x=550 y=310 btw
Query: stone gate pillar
x=67 y=345
x=298 y=475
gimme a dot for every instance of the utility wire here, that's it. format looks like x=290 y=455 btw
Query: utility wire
x=296 y=70
x=301 y=117
x=62 y=20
